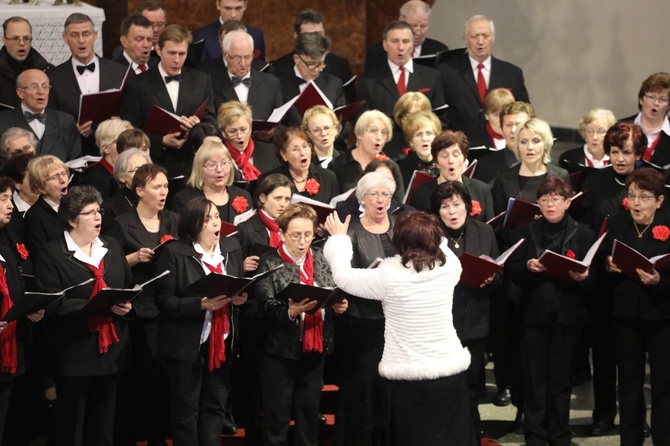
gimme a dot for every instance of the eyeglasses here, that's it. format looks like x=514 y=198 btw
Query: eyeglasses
x=85 y=35
x=57 y=176
x=212 y=165
x=238 y=59
x=307 y=236
x=643 y=198
x=427 y=134
x=240 y=131
x=91 y=214
x=132 y=170
x=660 y=99
x=553 y=200
x=35 y=87
x=324 y=129
x=375 y=195
x=311 y=65
x=15 y=39
x=299 y=149
x=158 y=24
x=599 y=132
x=375 y=130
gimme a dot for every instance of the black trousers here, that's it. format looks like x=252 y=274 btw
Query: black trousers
x=604 y=367
x=635 y=339
x=431 y=412
x=549 y=349
x=291 y=387
x=474 y=376
x=5 y=397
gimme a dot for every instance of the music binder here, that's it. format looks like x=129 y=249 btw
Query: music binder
x=101 y=105
x=476 y=269
x=470 y=169
x=628 y=260
x=559 y=266
x=323 y=210
x=163 y=122
x=419 y=178
x=101 y=304
x=324 y=296
x=214 y=284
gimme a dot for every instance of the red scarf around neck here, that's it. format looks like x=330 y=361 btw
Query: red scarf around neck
x=492 y=133
x=217 y=346
x=243 y=160
x=8 y=335
x=104 y=325
x=272 y=226
x=312 y=336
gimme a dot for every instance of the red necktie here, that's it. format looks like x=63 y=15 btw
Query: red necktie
x=217 y=347
x=8 y=335
x=142 y=67
x=104 y=325
x=402 y=85
x=481 y=83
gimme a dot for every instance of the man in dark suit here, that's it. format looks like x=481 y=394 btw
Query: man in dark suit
x=309 y=59
x=156 y=13
x=417 y=14
x=84 y=72
x=381 y=87
x=56 y=130
x=136 y=40
x=233 y=79
x=467 y=76
x=173 y=87
x=310 y=21
x=228 y=10
x=16 y=56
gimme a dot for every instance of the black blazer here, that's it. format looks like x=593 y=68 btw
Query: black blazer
x=61 y=138
x=100 y=178
x=661 y=155
x=481 y=192
x=76 y=346
x=413 y=162
x=489 y=166
x=330 y=85
x=465 y=110
x=8 y=75
x=182 y=318
x=264 y=93
x=606 y=191
x=326 y=178
x=146 y=89
x=16 y=289
x=124 y=200
x=185 y=195
x=376 y=56
x=42 y=225
x=212 y=50
x=506 y=185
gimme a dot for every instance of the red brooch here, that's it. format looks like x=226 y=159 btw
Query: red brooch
x=166 y=237
x=570 y=254
x=240 y=204
x=660 y=232
x=476 y=208
x=625 y=203
x=312 y=186
x=23 y=252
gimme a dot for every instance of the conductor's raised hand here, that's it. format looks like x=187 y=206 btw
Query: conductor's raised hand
x=334 y=226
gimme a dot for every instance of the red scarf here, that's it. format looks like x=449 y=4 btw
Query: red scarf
x=650 y=150
x=8 y=335
x=217 y=347
x=249 y=171
x=312 y=336
x=108 y=167
x=104 y=325
x=492 y=133
x=271 y=226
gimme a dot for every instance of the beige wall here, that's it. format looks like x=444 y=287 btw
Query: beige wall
x=576 y=55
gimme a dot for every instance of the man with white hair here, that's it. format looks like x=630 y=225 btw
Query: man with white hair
x=417 y=14
x=469 y=75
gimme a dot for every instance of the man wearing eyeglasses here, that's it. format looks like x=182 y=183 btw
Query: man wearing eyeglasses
x=56 y=130
x=417 y=14
x=84 y=72
x=16 y=56
x=233 y=78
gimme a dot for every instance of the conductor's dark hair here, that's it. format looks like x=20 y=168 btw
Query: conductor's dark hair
x=417 y=237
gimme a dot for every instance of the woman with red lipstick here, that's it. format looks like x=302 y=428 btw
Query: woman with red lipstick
x=49 y=177
x=212 y=178
x=196 y=336
x=420 y=129
x=309 y=179
x=296 y=342
x=550 y=312
x=90 y=350
x=641 y=309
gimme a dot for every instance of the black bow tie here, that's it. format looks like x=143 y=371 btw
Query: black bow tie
x=41 y=117
x=300 y=80
x=90 y=67
x=237 y=81
x=176 y=78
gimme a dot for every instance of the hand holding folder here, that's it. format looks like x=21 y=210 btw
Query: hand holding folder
x=325 y=297
x=101 y=303
x=628 y=260
x=163 y=122
x=476 y=269
x=213 y=284
x=560 y=266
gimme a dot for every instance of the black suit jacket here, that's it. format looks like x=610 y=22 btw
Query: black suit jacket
x=661 y=155
x=145 y=90
x=264 y=92
x=376 y=56
x=42 y=225
x=212 y=50
x=326 y=179
x=330 y=85
x=188 y=193
x=380 y=92
x=465 y=110
x=182 y=318
x=60 y=138
x=506 y=185
x=489 y=166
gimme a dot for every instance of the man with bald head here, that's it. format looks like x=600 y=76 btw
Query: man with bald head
x=417 y=14
x=16 y=56
x=467 y=76
x=56 y=130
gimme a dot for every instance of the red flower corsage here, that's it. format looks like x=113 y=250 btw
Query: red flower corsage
x=165 y=238
x=240 y=204
x=570 y=254
x=476 y=208
x=382 y=157
x=312 y=186
x=625 y=203
x=660 y=232
x=23 y=252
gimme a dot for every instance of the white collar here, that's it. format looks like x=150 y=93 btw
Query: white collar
x=474 y=64
x=53 y=204
x=214 y=260
x=26 y=109
x=76 y=63
x=409 y=66
x=665 y=128
x=98 y=251
x=163 y=73
x=21 y=204
x=596 y=163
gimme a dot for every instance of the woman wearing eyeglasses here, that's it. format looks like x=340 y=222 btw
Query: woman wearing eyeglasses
x=309 y=179
x=90 y=350
x=212 y=178
x=296 y=342
x=592 y=128
x=322 y=126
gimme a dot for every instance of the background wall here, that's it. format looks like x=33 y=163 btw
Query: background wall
x=576 y=55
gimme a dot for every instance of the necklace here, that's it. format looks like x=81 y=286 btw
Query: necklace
x=456 y=242
x=151 y=226
x=639 y=234
x=298 y=180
